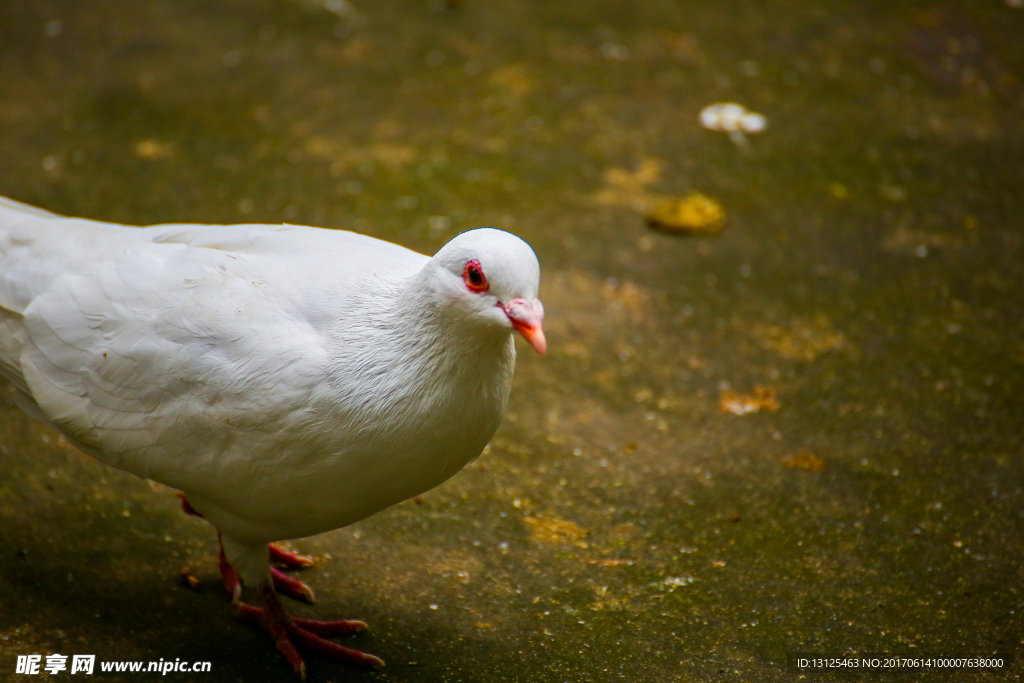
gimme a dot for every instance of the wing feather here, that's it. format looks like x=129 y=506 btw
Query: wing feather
x=161 y=344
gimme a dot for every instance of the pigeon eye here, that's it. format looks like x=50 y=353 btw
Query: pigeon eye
x=474 y=277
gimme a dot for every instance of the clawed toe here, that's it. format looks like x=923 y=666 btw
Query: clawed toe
x=288 y=632
x=288 y=558
x=338 y=627
x=311 y=641
x=293 y=588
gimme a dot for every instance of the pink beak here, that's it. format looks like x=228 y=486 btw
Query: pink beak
x=527 y=319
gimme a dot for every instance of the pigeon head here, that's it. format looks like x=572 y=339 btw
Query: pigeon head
x=491 y=276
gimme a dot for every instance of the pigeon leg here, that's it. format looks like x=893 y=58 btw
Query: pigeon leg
x=293 y=588
x=232 y=581
x=187 y=507
x=305 y=632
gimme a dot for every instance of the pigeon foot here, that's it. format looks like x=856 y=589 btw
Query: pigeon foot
x=289 y=631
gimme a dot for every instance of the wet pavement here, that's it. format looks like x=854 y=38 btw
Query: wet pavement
x=802 y=434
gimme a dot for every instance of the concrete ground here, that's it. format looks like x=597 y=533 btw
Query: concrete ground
x=861 y=311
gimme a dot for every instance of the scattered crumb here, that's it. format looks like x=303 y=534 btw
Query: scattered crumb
x=734 y=119
x=762 y=398
x=674 y=582
x=186 y=576
x=730 y=117
x=555 y=530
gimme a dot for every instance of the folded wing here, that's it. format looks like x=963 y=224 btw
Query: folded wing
x=155 y=355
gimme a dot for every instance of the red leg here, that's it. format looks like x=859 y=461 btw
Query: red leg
x=283 y=628
x=232 y=581
x=293 y=588
x=306 y=632
x=187 y=507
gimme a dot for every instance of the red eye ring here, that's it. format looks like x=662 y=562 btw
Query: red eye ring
x=474 y=277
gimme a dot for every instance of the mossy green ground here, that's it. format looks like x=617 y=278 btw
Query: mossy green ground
x=622 y=526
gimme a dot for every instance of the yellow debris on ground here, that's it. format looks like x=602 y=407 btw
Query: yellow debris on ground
x=555 y=530
x=693 y=215
x=762 y=398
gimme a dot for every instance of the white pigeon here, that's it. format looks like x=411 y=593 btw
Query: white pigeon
x=287 y=380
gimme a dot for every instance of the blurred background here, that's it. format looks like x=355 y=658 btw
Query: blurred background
x=786 y=420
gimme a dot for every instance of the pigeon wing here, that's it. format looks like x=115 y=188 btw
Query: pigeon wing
x=163 y=357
